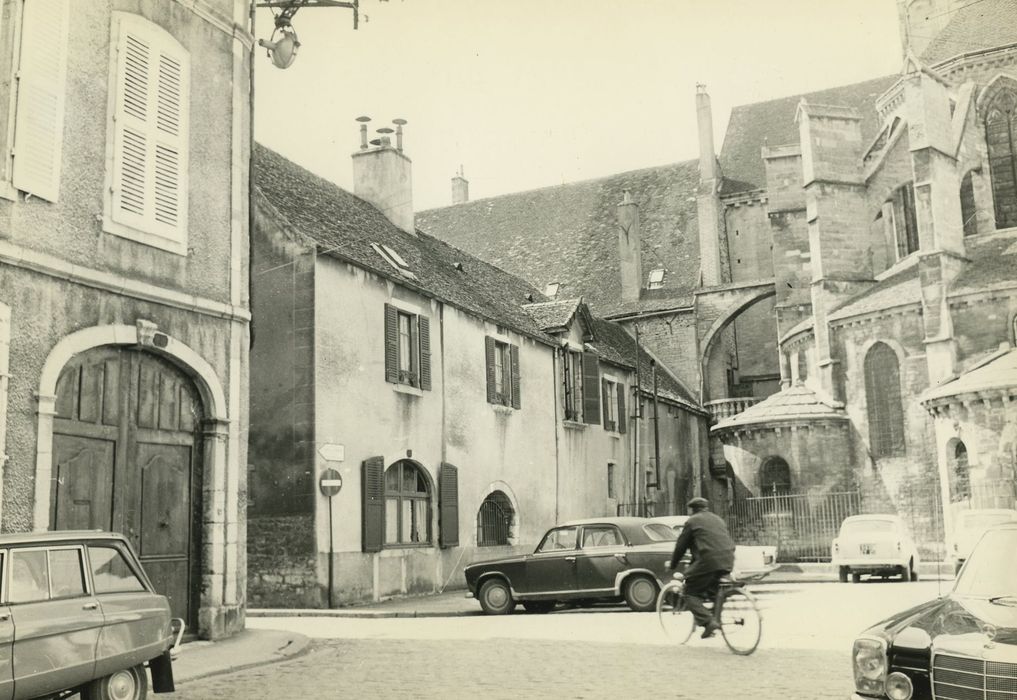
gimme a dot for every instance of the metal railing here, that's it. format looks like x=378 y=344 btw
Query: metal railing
x=988 y=494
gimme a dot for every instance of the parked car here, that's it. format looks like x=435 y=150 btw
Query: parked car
x=962 y=645
x=969 y=527
x=751 y=562
x=600 y=559
x=78 y=613
x=876 y=545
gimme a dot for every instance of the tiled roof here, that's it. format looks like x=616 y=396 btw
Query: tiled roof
x=980 y=24
x=796 y=404
x=552 y=315
x=345 y=226
x=997 y=371
x=993 y=262
x=901 y=288
x=772 y=123
x=568 y=234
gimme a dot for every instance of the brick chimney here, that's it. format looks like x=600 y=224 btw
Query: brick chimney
x=383 y=174
x=460 y=188
x=629 y=255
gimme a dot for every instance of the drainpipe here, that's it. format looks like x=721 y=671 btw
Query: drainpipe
x=557 y=427
x=635 y=426
x=656 y=431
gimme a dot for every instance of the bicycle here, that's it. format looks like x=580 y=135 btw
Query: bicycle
x=733 y=608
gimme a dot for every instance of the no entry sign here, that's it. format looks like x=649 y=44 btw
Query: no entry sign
x=330 y=483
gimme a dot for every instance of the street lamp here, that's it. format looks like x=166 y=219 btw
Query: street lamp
x=282 y=50
x=283 y=44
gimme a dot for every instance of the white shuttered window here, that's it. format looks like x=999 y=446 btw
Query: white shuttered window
x=39 y=116
x=149 y=173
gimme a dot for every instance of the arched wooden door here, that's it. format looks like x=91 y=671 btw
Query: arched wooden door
x=127 y=458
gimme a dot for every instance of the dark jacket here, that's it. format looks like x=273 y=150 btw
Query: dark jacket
x=705 y=535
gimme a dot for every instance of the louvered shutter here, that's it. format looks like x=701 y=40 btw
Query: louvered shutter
x=622 y=417
x=373 y=505
x=150 y=131
x=517 y=400
x=391 y=344
x=489 y=349
x=39 y=117
x=604 y=399
x=591 y=388
x=425 y=352
x=448 y=513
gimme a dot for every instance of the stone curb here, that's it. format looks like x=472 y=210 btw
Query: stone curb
x=300 y=646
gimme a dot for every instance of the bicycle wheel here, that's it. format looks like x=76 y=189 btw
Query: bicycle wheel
x=675 y=620
x=741 y=623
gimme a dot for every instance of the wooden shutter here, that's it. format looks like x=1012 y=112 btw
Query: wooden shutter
x=489 y=349
x=622 y=418
x=448 y=509
x=372 y=527
x=424 y=341
x=604 y=399
x=150 y=131
x=591 y=388
x=517 y=401
x=39 y=116
x=391 y=344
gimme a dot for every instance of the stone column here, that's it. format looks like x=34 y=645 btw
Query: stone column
x=710 y=211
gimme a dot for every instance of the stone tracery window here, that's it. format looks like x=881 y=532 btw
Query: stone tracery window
x=883 y=399
x=1000 y=137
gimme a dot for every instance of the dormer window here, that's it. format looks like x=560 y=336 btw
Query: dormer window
x=551 y=290
x=656 y=279
x=394 y=259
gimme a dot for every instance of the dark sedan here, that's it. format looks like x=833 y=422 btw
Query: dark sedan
x=602 y=559
x=958 y=647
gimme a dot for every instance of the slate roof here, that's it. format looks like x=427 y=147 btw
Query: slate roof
x=552 y=315
x=568 y=234
x=902 y=288
x=772 y=123
x=980 y=24
x=997 y=371
x=993 y=262
x=344 y=226
x=796 y=404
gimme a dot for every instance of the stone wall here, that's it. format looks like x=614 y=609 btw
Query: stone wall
x=281 y=563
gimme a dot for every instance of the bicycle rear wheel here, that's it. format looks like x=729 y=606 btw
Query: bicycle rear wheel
x=675 y=620
x=741 y=623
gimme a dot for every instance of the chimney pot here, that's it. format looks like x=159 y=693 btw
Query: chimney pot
x=363 y=132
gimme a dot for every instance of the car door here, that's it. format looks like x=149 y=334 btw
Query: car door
x=6 y=642
x=56 y=619
x=600 y=559
x=551 y=569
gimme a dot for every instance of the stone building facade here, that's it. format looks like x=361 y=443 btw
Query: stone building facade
x=124 y=316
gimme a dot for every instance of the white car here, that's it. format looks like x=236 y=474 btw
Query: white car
x=969 y=527
x=750 y=562
x=877 y=545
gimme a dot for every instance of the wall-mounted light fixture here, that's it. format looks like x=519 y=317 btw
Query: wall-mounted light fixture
x=282 y=46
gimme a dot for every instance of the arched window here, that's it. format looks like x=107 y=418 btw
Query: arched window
x=899 y=215
x=1000 y=139
x=775 y=477
x=882 y=395
x=407 y=504
x=803 y=365
x=960 y=477
x=969 y=215
x=494 y=520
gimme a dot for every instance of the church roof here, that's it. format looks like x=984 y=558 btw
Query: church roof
x=568 y=234
x=992 y=373
x=980 y=24
x=901 y=288
x=772 y=123
x=993 y=259
x=795 y=404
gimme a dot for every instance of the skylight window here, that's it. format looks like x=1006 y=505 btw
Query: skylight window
x=394 y=259
x=551 y=290
x=656 y=280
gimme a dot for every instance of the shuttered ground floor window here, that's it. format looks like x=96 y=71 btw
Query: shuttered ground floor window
x=407 y=505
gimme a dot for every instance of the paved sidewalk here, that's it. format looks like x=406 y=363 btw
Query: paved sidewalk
x=246 y=649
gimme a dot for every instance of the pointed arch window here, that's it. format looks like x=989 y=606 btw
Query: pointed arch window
x=883 y=399
x=1000 y=138
x=960 y=477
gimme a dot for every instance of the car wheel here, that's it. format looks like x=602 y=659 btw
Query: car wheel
x=538 y=607
x=641 y=593
x=855 y=577
x=842 y=574
x=496 y=597
x=128 y=684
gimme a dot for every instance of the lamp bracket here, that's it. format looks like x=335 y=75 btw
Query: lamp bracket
x=288 y=8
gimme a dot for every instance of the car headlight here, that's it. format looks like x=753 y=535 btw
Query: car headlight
x=869 y=660
x=899 y=686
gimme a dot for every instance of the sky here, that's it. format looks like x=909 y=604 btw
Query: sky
x=525 y=94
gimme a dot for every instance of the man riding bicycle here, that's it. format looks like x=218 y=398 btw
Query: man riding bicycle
x=705 y=535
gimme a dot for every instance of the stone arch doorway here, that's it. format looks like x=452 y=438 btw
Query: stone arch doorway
x=127 y=456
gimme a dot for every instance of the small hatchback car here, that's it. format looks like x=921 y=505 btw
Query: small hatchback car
x=877 y=545
x=78 y=614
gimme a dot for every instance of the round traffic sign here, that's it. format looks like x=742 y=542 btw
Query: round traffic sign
x=330 y=483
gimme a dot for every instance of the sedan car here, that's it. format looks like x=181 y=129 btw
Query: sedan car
x=876 y=545
x=78 y=614
x=602 y=559
x=962 y=645
x=968 y=528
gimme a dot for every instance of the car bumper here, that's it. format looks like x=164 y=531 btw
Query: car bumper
x=862 y=565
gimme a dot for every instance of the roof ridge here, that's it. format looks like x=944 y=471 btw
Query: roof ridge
x=803 y=93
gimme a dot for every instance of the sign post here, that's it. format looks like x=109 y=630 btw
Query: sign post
x=330 y=483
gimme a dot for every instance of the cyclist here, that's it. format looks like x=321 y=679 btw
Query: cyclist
x=705 y=535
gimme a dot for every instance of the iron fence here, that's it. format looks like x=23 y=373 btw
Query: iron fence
x=988 y=494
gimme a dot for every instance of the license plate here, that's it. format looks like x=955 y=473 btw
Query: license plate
x=867 y=548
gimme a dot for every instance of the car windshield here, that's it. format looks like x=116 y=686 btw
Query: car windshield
x=992 y=568
x=853 y=527
x=975 y=521
x=658 y=532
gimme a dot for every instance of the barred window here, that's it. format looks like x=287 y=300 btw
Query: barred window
x=494 y=520
x=775 y=477
x=883 y=397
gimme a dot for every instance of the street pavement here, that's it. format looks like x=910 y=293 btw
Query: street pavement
x=599 y=653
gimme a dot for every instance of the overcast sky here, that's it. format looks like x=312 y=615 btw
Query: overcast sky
x=530 y=93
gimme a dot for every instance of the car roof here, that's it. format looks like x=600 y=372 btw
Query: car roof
x=45 y=536
x=619 y=520
x=670 y=519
